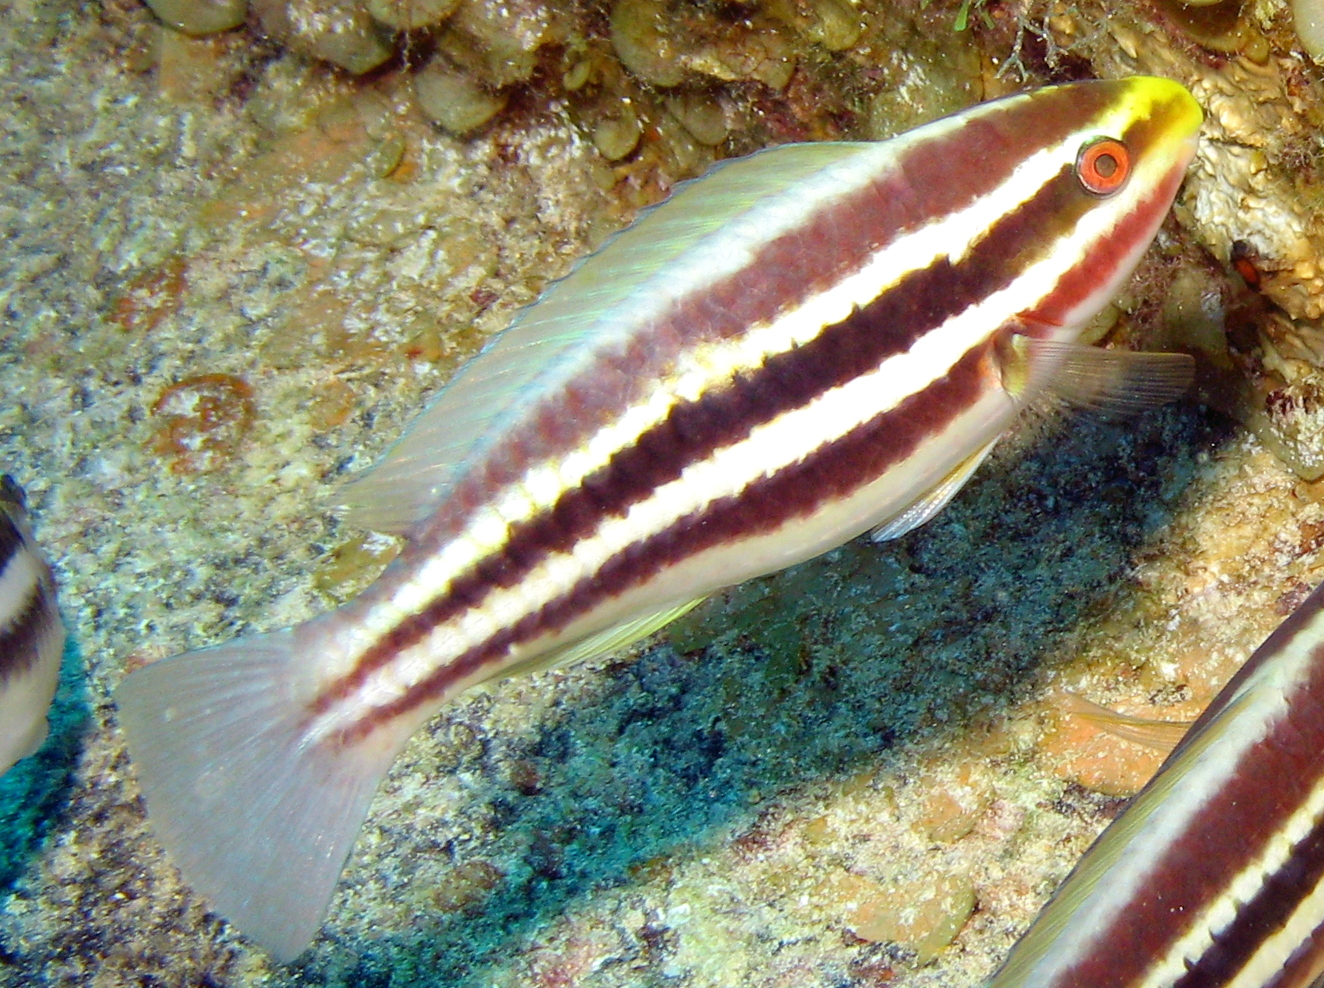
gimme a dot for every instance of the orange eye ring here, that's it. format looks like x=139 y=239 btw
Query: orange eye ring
x=1103 y=166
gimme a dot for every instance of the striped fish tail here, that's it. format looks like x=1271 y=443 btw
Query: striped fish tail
x=257 y=810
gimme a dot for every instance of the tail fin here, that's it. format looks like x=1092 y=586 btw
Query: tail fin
x=258 y=816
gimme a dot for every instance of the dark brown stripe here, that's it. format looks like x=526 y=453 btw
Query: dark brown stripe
x=932 y=178
x=1305 y=966
x=11 y=537
x=1271 y=781
x=830 y=472
x=887 y=326
x=26 y=621
x=695 y=430
x=1262 y=916
x=1282 y=893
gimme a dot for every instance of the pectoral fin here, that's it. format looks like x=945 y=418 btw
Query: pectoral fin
x=1115 y=382
x=922 y=510
x=1159 y=735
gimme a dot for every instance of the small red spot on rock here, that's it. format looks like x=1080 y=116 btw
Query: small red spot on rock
x=202 y=421
x=482 y=297
x=1297 y=591
x=150 y=298
x=525 y=778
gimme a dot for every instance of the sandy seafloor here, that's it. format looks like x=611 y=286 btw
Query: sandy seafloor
x=855 y=773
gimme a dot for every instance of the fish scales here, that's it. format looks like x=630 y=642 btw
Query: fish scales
x=1212 y=876
x=797 y=347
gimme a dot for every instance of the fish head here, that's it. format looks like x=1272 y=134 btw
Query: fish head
x=1098 y=189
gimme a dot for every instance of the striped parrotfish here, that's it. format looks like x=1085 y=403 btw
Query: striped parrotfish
x=1213 y=877
x=802 y=345
x=31 y=633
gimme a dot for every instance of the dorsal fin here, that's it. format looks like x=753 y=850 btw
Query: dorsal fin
x=570 y=320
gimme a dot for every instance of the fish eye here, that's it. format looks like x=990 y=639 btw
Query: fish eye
x=1103 y=165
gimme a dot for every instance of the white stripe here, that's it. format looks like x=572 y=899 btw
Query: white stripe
x=1275 y=950
x=19 y=584
x=769 y=448
x=1180 y=795
x=712 y=365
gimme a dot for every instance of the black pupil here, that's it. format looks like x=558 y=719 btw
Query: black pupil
x=1105 y=165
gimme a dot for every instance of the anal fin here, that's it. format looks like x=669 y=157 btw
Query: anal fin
x=616 y=637
x=923 y=509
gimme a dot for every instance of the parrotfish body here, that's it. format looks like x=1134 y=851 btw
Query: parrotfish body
x=1213 y=877
x=31 y=634
x=802 y=345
